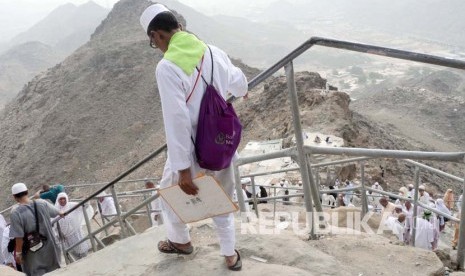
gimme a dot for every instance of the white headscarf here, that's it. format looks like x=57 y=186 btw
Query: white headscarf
x=71 y=222
x=2 y=228
x=440 y=206
x=2 y=222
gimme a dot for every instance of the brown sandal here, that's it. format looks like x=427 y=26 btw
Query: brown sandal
x=172 y=249
x=238 y=265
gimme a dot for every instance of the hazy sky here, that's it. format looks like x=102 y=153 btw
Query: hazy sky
x=18 y=15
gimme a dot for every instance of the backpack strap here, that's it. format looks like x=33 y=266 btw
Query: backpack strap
x=197 y=79
x=37 y=217
x=200 y=74
x=211 y=57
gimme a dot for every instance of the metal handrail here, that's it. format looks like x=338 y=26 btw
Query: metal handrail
x=287 y=62
x=323 y=164
x=300 y=149
x=391 y=153
x=458 y=157
x=102 y=183
x=356 y=47
x=325 y=42
x=434 y=170
x=121 y=176
x=115 y=220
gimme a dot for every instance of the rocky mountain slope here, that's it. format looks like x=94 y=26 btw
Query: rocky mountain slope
x=267 y=116
x=432 y=19
x=45 y=44
x=20 y=64
x=433 y=99
x=93 y=115
x=238 y=36
x=65 y=28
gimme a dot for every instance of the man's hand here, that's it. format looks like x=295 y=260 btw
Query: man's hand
x=185 y=182
x=19 y=258
x=37 y=195
x=19 y=250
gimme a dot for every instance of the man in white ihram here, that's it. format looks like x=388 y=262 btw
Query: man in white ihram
x=423 y=195
x=180 y=96
x=396 y=225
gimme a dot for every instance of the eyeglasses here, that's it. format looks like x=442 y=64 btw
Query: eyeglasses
x=152 y=44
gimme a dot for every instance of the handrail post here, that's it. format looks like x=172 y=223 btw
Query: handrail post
x=148 y=208
x=461 y=245
x=89 y=228
x=274 y=204
x=364 y=192
x=130 y=228
x=254 y=195
x=317 y=177
x=305 y=170
x=315 y=189
x=240 y=195
x=99 y=207
x=118 y=212
x=415 y=204
x=62 y=238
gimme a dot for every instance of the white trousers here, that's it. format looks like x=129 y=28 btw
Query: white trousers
x=178 y=231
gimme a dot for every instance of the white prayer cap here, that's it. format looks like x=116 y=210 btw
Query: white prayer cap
x=376 y=183
x=421 y=187
x=150 y=13
x=102 y=194
x=245 y=180
x=18 y=188
x=410 y=185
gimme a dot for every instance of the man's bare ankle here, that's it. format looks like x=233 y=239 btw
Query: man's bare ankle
x=181 y=245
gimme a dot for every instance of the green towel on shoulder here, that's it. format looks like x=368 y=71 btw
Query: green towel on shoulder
x=185 y=50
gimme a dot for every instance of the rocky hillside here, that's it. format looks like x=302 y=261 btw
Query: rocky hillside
x=274 y=40
x=433 y=99
x=432 y=19
x=266 y=115
x=65 y=28
x=20 y=64
x=92 y=116
x=45 y=44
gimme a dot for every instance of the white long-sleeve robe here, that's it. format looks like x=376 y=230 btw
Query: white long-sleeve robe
x=424 y=235
x=397 y=228
x=180 y=120
x=6 y=257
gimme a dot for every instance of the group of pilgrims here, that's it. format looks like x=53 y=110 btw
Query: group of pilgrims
x=397 y=214
x=428 y=224
x=44 y=207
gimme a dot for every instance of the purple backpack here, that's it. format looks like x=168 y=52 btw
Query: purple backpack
x=218 y=129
